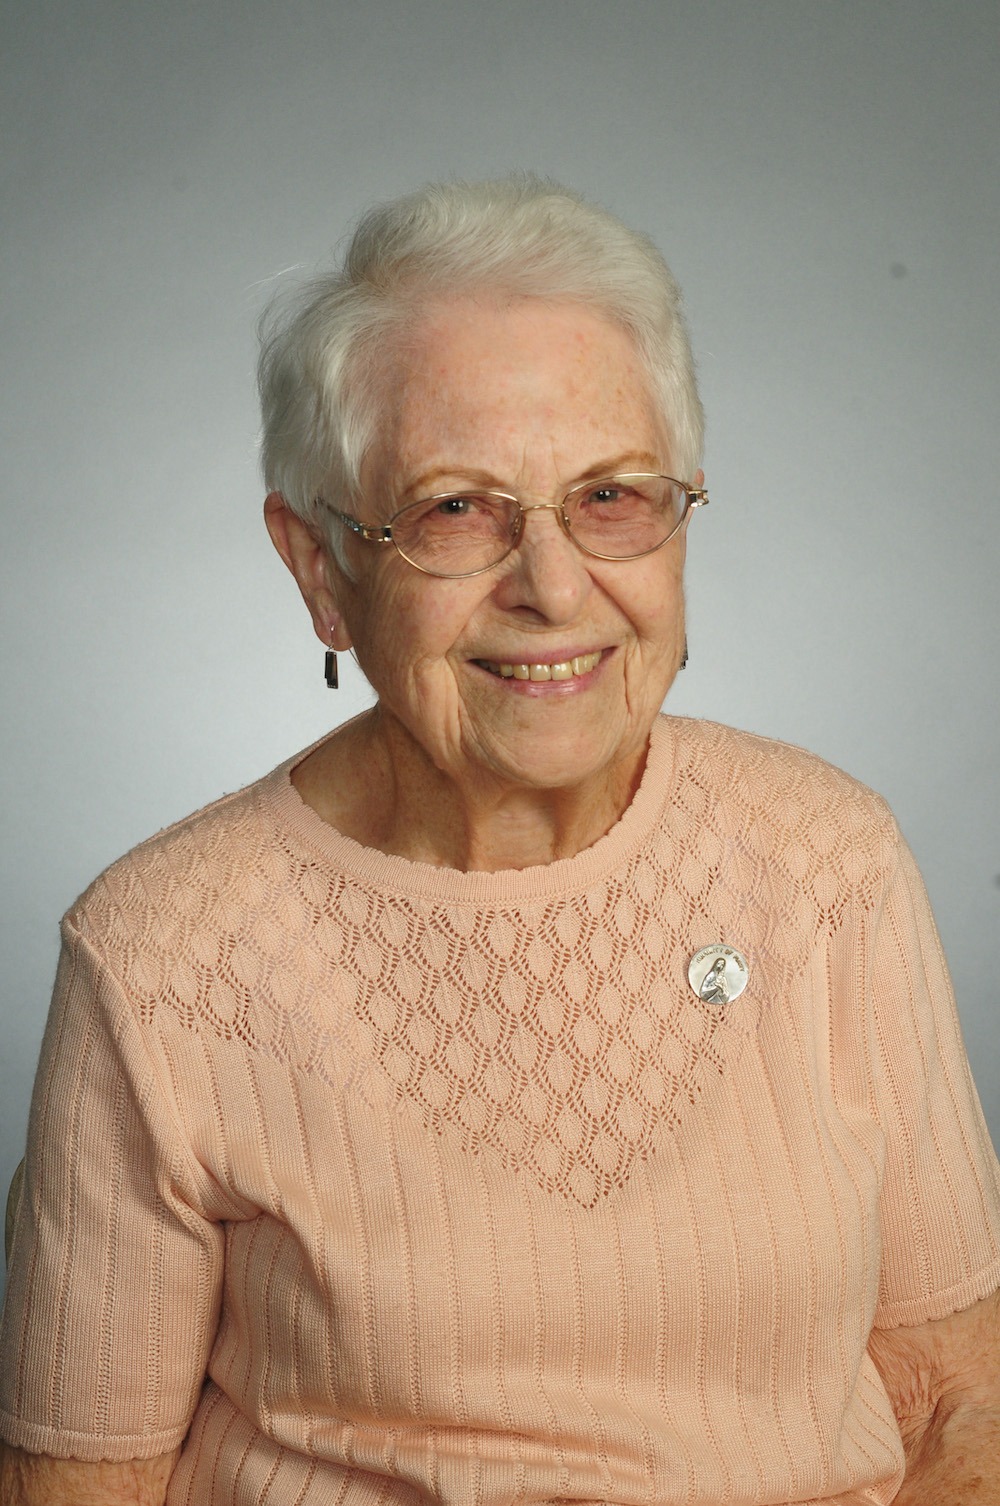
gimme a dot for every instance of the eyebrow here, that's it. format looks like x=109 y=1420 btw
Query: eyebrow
x=463 y=475
x=624 y=464
x=621 y=465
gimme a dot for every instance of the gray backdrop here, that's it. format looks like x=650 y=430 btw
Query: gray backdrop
x=822 y=175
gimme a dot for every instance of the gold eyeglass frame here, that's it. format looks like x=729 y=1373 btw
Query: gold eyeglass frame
x=694 y=496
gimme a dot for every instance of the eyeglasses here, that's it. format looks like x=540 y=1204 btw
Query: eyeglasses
x=455 y=534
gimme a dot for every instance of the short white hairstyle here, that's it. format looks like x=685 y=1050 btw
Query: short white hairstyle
x=521 y=237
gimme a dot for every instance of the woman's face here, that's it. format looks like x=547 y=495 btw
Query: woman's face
x=527 y=398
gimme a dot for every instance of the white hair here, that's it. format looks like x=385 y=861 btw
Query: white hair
x=520 y=236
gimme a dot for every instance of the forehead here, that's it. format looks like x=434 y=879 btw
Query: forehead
x=512 y=389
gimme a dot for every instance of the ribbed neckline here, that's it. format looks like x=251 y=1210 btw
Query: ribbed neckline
x=281 y=801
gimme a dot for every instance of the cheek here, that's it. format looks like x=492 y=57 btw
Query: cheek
x=655 y=605
x=407 y=625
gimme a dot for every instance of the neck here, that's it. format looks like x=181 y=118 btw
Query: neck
x=375 y=785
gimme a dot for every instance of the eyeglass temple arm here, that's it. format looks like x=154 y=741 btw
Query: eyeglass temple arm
x=363 y=530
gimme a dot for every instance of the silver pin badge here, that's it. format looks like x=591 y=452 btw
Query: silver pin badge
x=718 y=974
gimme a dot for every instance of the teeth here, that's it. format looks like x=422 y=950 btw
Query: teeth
x=582 y=664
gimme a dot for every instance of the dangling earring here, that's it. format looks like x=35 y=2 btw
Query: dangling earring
x=330 y=666
x=684 y=658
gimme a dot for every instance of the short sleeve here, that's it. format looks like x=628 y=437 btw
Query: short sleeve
x=940 y=1199
x=113 y=1293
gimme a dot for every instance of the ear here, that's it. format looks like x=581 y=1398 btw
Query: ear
x=305 y=554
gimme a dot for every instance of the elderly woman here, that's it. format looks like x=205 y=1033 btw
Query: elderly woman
x=519 y=1096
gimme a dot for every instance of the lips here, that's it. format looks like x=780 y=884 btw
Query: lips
x=566 y=669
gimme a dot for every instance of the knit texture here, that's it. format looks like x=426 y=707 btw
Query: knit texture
x=454 y=1189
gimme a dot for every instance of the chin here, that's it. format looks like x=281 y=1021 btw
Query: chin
x=562 y=764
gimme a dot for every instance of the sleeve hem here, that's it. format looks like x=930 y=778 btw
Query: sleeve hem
x=89 y=1448
x=940 y=1304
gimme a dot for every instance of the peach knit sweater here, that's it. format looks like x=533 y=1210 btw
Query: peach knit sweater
x=453 y=1189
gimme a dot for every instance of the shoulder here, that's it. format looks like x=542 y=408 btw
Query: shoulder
x=206 y=870
x=791 y=799
x=764 y=766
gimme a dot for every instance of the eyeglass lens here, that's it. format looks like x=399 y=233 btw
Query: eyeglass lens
x=616 y=517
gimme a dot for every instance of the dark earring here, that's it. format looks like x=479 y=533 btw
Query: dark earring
x=684 y=658
x=330 y=667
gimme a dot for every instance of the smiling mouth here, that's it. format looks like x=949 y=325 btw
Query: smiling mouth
x=568 y=669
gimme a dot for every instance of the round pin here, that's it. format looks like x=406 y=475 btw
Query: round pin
x=718 y=974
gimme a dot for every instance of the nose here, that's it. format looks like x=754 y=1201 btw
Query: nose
x=546 y=574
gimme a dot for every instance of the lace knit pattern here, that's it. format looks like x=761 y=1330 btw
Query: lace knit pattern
x=508 y=1212
x=560 y=1035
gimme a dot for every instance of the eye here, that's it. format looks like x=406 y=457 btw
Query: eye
x=611 y=497
x=457 y=514
x=461 y=509
x=457 y=507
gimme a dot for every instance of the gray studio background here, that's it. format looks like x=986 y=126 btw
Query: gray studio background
x=823 y=176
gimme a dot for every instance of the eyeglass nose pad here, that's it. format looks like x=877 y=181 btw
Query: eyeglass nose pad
x=517 y=527
x=564 y=521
